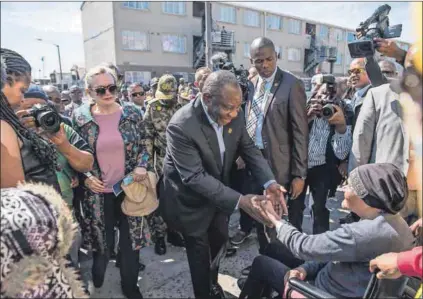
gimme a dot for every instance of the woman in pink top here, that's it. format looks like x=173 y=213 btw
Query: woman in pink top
x=116 y=135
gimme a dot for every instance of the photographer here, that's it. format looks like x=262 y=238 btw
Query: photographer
x=329 y=143
x=73 y=153
x=24 y=155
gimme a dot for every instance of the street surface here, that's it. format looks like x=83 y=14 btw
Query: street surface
x=168 y=276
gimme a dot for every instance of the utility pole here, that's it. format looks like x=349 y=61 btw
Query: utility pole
x=208 y=19
x=60 y=66
x=42 y=59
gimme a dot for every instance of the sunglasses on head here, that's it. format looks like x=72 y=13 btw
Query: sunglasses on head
x=101 y=90
x=136 y=94
x=355 y=71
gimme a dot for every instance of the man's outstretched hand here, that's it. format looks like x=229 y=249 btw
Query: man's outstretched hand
x=253 y=206
x=275 y=193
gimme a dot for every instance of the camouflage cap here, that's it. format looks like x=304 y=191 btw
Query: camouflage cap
x=181 y=80
x=154 y=82
x=166 y=89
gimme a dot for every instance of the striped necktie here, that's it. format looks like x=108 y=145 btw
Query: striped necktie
x=255 y=111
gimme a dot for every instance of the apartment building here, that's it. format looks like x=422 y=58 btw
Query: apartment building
x=147 y=39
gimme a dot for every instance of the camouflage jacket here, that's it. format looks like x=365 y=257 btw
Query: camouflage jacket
x=131 y=127
x=156 y=118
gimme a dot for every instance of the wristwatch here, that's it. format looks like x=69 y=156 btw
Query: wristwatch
x=88 y=174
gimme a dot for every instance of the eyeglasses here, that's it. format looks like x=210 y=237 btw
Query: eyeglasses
x=388 y=73
x=101 y=90
x=356 y=71
x=136 y=94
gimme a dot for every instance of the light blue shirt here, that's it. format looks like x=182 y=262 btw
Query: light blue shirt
x=219 y=134
x=260 y=119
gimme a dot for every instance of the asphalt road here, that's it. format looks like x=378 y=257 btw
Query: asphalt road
x=168 y=276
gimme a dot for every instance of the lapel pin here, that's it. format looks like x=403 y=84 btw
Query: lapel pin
x=229 y=130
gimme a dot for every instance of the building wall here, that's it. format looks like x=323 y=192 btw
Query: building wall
x=104 y=22
x=98 y=33
x=154 y=22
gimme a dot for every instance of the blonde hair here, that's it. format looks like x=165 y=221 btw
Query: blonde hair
x=200 y=72
x=95 y=71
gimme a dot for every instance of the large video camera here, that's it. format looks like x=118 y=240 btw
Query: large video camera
x=220 y=61
x=46 y=118
x=364 y=46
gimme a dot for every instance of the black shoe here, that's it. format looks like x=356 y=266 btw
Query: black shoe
x=230 y=252
x=175 y=239
x=246 y=271
x=217 y=292
x=241 y=282
x=160 y=246
x=350 y=218
x=132 y=294
x=240 y=237
x=142 y=267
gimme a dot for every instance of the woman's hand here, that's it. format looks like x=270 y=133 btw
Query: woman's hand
x=26 y=120
x=139 y=174
x=94 y=184
x=299 y=273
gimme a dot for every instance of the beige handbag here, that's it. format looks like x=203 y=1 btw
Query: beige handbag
x=140 y=197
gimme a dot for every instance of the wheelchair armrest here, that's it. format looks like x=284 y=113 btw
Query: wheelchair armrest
x=306 y=289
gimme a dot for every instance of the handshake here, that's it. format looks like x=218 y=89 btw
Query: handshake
x=265 y=209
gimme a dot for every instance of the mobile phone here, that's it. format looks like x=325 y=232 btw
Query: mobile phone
x=117 y=189
x=128 y=180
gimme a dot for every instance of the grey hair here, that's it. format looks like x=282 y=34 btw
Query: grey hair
x=133 y=85
x=95 y=71
x=216 y=82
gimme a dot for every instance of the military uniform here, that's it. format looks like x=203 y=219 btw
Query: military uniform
x=158 y=114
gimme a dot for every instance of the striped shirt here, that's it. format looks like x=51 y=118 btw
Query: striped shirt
x=318 y=140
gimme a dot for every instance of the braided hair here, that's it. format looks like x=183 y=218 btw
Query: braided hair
x=17 y=68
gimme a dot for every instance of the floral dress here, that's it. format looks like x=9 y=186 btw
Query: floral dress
x=91 y=217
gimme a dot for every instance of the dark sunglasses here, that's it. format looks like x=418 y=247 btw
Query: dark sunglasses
x=136 y=94
x=101 y=90
x=355 y=71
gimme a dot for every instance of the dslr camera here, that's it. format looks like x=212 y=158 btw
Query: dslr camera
x=46 y=118
x=326 y=98
x=375 y=26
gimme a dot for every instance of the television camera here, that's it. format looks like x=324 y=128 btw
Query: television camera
x=364 y=45
x=220 y=61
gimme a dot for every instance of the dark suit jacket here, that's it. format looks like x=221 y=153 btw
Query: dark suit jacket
x=194 y=185
x=285 y=128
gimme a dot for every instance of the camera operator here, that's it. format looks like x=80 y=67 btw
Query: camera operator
x=24 y=155
x=329 y=143
x=74 y=153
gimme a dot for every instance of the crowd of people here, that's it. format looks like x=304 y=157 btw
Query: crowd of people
x=118 y=166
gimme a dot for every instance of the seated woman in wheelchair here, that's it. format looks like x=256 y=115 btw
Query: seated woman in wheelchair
x=338 y=261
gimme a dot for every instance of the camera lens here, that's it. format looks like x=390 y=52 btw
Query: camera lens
x=49 y=121
x=328 y=111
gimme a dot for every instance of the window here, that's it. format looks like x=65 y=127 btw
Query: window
x=338 y=59
x=324 y=31
x=274 y=22
x=338 y=34
x=247 y=50
x=251 y=18
x=135 y=40
x=227 y=14
x=294 y=54
x=141 y=5
x=174 y=8
x=174 y=43
x=279 y=51
x=198 y=9
x=137 y=77
x=294 y=26
x=350 y=36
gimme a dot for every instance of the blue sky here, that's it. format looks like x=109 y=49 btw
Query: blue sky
x=60 y=23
